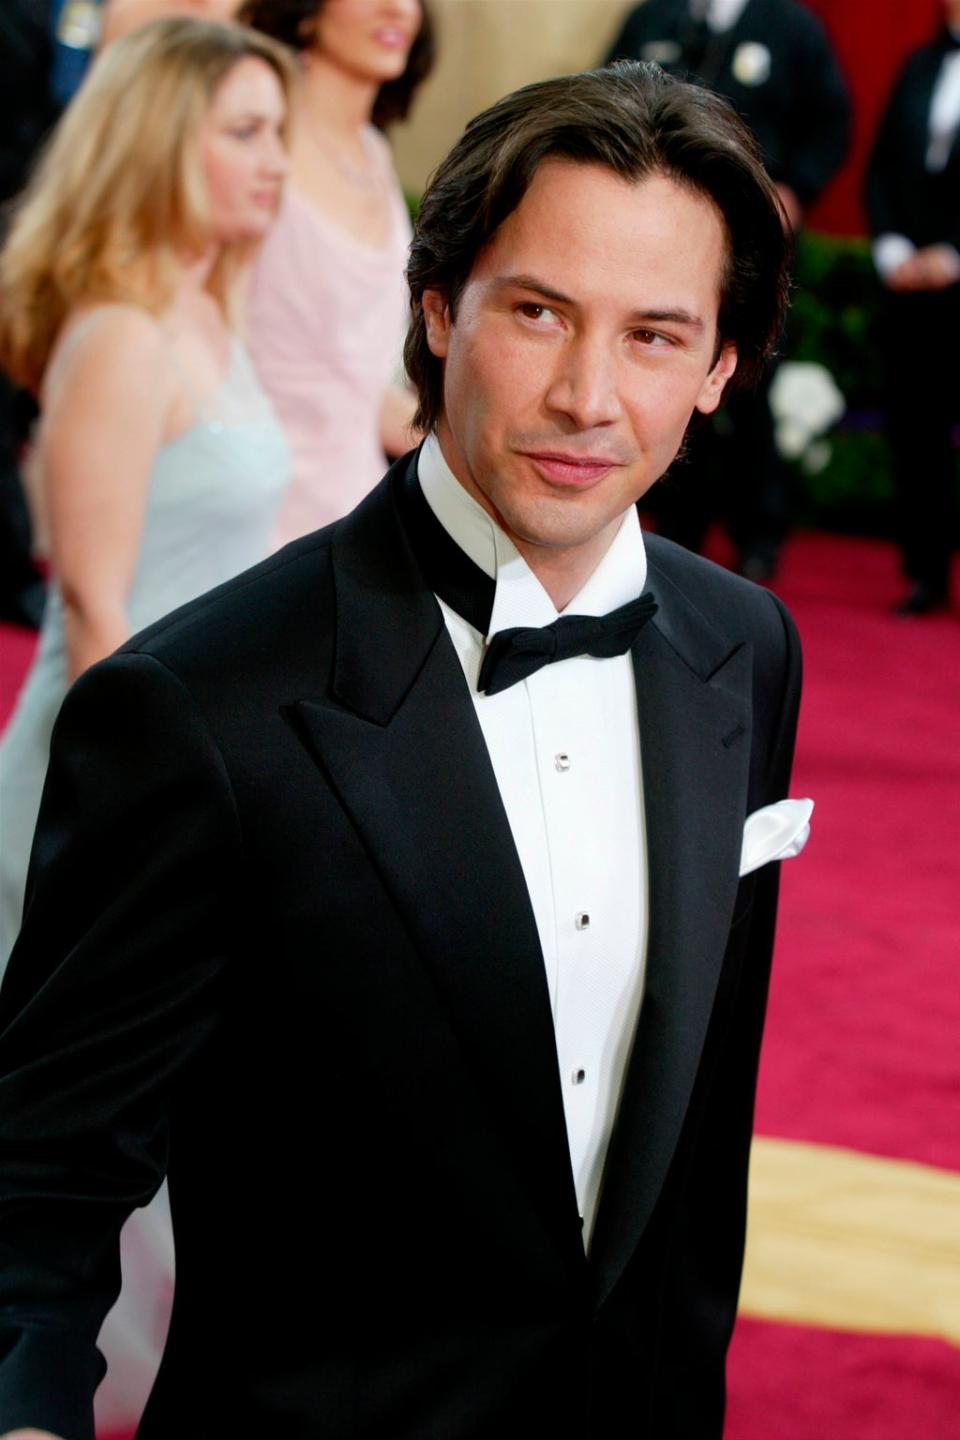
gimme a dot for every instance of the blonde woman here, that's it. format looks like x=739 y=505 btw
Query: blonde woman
x=161 y=460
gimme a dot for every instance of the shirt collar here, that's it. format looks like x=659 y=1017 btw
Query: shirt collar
x=519 y=598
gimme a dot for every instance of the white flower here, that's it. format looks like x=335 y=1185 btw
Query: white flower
x=805 y=402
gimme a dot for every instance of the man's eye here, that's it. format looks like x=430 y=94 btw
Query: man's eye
x=652 y=339
x=530 y=310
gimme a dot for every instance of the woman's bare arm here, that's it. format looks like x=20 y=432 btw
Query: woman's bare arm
x=106 y=407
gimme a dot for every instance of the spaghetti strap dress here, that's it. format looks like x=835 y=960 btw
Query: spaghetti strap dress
x=327 y=319
x=210 y=510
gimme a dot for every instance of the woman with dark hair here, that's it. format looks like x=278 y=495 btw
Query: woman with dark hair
x=329 y=304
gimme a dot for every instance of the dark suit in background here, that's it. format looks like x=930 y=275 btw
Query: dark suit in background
x=26 y=113
x=291 y=884
x=777 y=67
x=919 y=328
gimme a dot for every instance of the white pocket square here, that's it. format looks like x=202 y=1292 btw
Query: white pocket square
x=775 y=833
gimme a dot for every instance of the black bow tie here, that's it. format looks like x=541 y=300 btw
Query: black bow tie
x=514 y=654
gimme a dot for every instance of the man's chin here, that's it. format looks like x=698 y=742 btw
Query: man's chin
x=556 y=524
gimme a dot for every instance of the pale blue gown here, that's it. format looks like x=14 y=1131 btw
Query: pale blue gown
x=210 y=512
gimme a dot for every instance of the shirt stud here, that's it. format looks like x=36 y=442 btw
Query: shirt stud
x=561 y=762
x=582 y=921
x=578 y=1076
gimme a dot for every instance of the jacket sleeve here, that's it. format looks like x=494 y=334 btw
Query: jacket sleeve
x=111 y=989
x=708 y=1198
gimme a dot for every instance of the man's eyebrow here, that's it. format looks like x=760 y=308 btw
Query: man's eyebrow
x=530 y=282
x=677 y=316
x=669 y=317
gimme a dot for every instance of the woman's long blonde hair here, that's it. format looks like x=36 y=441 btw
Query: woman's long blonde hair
x=118 y=197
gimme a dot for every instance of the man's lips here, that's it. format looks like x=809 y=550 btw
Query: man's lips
x=570 y=469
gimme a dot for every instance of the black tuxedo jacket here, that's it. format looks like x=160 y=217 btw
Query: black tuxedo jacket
x=279 y=944
x=799 y=110
x=902 y=196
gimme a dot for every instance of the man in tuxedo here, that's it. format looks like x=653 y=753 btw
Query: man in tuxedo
x=388 y=898
x=773 y=60
x=913 y=204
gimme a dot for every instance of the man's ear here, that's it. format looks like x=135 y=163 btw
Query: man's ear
x=436 y=316
x=713 y=387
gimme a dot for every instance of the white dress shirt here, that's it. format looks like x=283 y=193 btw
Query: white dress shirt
x=565 y=749
x=944 y=111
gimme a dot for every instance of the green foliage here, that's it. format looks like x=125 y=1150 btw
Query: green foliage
x=834 y=315
x=833 y=323
x=853 y=491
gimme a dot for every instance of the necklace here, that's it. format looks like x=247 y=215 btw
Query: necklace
x=368 y=178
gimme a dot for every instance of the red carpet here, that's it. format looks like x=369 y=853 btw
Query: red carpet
x=788 y=1382
x=862 y=1046
x=16 y=650
x=862 y=1043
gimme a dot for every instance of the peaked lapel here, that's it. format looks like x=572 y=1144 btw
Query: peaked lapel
x=919 y=99
x=694 y=702
x=400 y=742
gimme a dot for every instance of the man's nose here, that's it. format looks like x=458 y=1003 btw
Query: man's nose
x=585 y=384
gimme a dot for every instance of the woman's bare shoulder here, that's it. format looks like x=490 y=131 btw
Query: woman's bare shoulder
x=103 y=340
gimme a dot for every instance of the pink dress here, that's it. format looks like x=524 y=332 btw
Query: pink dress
x=327 y=320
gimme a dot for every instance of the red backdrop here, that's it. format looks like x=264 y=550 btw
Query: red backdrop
x=871 y=38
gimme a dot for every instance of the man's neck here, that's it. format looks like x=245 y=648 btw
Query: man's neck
x=562 y=570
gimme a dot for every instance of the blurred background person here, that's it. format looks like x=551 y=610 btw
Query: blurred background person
x=774 y=61
x=162 y=463
x=328 y=304
x=26 y=112
x=913 y=206
x=75 y=27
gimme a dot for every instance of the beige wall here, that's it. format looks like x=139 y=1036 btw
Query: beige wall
x=487 y=48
